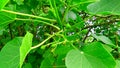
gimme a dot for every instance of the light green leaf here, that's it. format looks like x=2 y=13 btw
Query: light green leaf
x=78 y=2
x=105 y=7
x=25 y=47
x=3 y=3
x=104 y=39
x=10 y=54
x=19 y=2
x=108 y=48
x=91 y=56
x=70 y=16
x=118 y=63
x=1 y=31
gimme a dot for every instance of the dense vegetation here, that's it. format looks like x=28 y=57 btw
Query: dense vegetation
x=59 y=33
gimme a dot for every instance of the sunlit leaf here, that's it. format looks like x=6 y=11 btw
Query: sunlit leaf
x=10 y=54
x=70 y=16
x=25 y=47
x=3 y=3
x=105 y=7
x=75 y=2
x=91 y=56
x=118 y=64
x=7 y=18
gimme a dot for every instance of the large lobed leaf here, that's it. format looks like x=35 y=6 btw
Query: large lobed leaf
x=10 y=54
x=91 y=56
x=118 y=64
x=77 y=2
x=105 y=7
x=14 y=52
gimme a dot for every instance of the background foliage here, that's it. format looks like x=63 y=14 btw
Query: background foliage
x=59 y=34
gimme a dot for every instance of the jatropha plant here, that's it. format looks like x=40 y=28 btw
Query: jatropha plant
x=59 y=33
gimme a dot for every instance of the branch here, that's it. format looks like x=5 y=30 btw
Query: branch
x=10 y=31
x=95 y=25
x=33 y=16
x=86 y=35
x=45 y=40
x=39 y=22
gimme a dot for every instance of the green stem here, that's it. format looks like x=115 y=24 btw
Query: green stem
x=33 y=16
x=54 y=7
x=56 y=11
x=45 y=40
x=39 y=21
x=56 y=43
x=73 y=45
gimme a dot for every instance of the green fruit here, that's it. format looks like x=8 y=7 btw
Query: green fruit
x=53 y=45
x=43 y=47
x=68 y=25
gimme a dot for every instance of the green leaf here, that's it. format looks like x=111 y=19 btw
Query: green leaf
x=118 y=64
x=91 y=56
x=48 y=61
x=60 y=48
x=70 y=16
x=78 y=2
x=105 y=7
x=25 y=47
x=10 y=54
x=3 y=3
x=27 y=65
x=104 y=39
x=1 y=31
x=19 y=2
x=6 y=18
x=60 y=61
x=109 y=49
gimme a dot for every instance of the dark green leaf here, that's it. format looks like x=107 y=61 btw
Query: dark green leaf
x=27 y=65
x=62 y=49
x=48 y=61
x=19 y=2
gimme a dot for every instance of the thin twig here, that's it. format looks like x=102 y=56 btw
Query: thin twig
x=86 y=34
x=39 y=21
x=33 y=16
x=95 y=25
x=45 y=40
